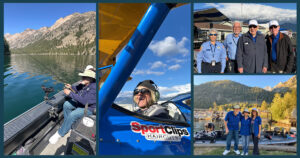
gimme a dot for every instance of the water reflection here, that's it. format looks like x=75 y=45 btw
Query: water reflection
x=62 y=68
x=24 y=75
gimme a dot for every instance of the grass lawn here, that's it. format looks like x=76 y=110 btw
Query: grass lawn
x=220 y=150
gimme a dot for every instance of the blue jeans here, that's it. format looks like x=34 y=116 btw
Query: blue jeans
x=71 y=115
x=232 y=134
x=245 y=140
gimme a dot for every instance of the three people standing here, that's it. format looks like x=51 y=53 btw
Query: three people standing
x=250 y=126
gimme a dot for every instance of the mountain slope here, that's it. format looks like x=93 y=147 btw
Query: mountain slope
x=73 y=34
x=225 y=92
x=6 y=48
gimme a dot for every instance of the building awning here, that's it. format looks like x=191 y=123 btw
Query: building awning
x=209 y=15
x=208 y=26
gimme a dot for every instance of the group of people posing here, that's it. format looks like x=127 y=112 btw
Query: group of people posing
x=251 y=52
x=250 y=126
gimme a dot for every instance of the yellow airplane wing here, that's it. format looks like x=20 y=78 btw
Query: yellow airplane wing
x=117 y=23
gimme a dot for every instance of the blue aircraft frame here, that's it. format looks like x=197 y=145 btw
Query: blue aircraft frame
x=118 y=132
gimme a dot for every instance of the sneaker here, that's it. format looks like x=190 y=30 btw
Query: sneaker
x=54 y=138
x=242 y=153
x=237 y=152
x=226 y=152
x=246 y=154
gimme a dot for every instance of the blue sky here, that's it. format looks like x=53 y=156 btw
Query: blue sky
x=20 y=16
x=283 y=12
x=167 y=59
x=249 y=80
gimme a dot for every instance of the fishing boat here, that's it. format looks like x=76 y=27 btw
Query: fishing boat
x=275 y=137
x=28 y=133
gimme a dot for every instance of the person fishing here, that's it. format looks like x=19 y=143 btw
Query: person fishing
x=145 y=96
x=80 y=95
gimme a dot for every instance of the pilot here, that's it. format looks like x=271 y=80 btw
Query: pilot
x=212 y=55
x=145 y=96
x=84 y=93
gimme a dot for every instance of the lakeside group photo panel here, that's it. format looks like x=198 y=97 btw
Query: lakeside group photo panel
x=245 y=115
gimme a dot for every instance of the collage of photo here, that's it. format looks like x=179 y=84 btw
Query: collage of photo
x=113 y=79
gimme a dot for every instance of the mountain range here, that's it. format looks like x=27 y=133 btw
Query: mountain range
x=226 y=92
x=129 y=100
x=289 y=26
x=74 y=34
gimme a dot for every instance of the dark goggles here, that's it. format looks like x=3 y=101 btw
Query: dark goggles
x=142 y=91
x=213 y=34
x=254 y=26
x=273 y=26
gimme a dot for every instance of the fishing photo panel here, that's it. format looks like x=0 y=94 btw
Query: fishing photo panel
x=245 y=115
x=145 y=85
x=245 y=38
x=49 y=79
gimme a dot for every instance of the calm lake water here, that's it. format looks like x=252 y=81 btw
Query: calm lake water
x=25 y=74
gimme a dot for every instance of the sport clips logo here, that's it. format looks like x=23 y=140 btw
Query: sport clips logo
x=160 y=132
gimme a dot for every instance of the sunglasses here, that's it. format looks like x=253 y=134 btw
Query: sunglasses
x=252 y=26
x=273 y=26
x=213 y=34
x=142 y=91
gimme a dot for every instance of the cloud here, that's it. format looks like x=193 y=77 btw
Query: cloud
x=176 y=60
x=174 y=67
x=174 y=90
x=125 y=94
x=169 y=46
x=157 y=64
x=260 y=12
x=147 y=72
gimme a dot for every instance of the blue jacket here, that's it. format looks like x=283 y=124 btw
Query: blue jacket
x=245 y=126
x=211 y=52
x=232 y=120
x=85 y=94
x=257 y=122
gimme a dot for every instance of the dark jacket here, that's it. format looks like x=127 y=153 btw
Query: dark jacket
x=84 y=95
x=252 y=56
x=155 y=110
x=285 y=55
